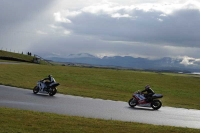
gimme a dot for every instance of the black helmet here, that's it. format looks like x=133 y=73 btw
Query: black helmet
x=50 y=76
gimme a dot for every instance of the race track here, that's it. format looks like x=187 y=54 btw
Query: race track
x=96 y=108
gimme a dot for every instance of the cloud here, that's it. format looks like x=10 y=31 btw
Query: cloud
x=41 y=32
x=67 y=32
x=148 y=28
x=59 y=18
x=12 y=11
x=145 y=24
x=117 y=15
x=190 y=61
x=19 y=21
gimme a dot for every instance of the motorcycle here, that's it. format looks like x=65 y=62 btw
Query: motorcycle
x=44 y=87
x=140 y=100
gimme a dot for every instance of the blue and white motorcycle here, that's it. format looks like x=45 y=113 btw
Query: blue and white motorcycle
x=46 y=87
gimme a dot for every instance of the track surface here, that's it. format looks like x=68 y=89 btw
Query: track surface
x=96 y=108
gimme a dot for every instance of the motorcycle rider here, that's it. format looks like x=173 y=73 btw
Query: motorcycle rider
x=48 y=81
x=149 y=93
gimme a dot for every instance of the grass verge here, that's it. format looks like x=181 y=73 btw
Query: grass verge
x=21 y=121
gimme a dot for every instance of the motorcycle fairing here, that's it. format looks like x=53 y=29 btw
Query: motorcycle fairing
x=41 y=85
x=145 y=105
x=139 y=97
x=142 y=100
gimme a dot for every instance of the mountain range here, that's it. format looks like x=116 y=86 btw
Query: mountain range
x=162 y=64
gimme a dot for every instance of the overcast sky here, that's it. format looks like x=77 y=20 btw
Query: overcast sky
x=138 y=28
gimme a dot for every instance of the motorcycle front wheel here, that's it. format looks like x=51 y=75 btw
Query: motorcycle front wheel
x=156 y=104
x=35 y=90
x=52 y=91
x=132 y=102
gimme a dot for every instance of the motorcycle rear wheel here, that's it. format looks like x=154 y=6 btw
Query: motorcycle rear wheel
x=35 y=90
x=132 y=102
x=156 y=104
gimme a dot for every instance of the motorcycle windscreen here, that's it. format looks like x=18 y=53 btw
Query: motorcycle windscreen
x=54 y=84
x=157 y=96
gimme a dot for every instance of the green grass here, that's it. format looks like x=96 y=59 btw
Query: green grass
x=179 y=90
x=21 y=121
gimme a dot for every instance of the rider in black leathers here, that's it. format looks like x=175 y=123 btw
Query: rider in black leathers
x=48 y=80
x=149 y=93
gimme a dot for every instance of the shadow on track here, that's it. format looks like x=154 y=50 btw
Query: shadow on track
x=42 y=95
x=141 y=108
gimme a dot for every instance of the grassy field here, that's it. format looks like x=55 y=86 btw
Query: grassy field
x=21 y=121
x=179 y=90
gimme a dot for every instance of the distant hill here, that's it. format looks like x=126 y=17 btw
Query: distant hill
x=20 y=57
x=5 y=55
x=163 y=64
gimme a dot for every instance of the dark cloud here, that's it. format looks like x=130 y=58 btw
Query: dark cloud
x=181 y=28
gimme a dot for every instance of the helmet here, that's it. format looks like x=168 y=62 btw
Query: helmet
x=50 y=76
x=147 y=87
